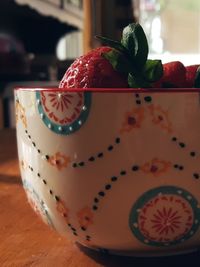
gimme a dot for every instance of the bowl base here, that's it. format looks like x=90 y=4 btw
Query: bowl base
x=137 y=254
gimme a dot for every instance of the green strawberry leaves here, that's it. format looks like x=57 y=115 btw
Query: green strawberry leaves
x=118 y=61
x=137 y=81
x=112 y=43
x=135 y=41
x=153 y=70
x=197 y=78
x=130 y=57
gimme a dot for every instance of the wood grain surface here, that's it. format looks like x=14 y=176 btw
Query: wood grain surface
x=26 y=241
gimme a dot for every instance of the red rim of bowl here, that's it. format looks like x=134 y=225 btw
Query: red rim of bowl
x=111 y=90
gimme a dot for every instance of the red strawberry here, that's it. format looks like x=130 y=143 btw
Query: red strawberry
x=190 y=75
x=174 y=75
x=93 y=71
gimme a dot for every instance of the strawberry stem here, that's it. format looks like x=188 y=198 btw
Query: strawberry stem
x=197 y=78
x=130 y=56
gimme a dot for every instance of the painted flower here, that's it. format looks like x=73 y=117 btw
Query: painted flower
x=59 y=160
x=132 y=120
x=156 y=167
x=160 y=117
x=165 y=216
x=63 y=107
x=61 y=208
x=23 y=164
x=62 y=101
x=20 y=113
x=85 y=217
x=166 y=219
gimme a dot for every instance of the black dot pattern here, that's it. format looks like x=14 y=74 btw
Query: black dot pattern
x=181 y=144
x=99 y=155
x=74 y=231
x=179 y=167
x=56 y=198
x=101 y=193
x=135 y=168
x=47 y=157
x=113 y=179
x=122 y=173
x=137 y=99
x=90 y=159
x=196 y=175
x=117 y=140
x=94 y=207
x=96 y=200
x=148 y=99
x=33 y=143
x=44 y=156
x=108 y=186
x=87 y=238
x=192 y=153
x=110 y=148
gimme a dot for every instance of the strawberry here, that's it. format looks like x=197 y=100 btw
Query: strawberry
x=117 y=65
x=174 y=75
x=191 y=75
x=93 y=70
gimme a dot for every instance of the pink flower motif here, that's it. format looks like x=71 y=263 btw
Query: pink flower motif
x=59 y=160
x=20 y=113
x=132 y=120
x=166 y=220
x=160 y=117
x=156 y=167
x=61 y=208
x=62 y=107
x=60 y=101
x=85 y=217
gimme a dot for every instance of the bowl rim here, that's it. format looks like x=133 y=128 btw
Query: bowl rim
x=108 y=90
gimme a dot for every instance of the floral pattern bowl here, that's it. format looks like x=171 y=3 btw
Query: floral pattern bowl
x=116 y=170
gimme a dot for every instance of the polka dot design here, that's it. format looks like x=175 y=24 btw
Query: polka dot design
x=63 y=112
x=165 y=216
x=138 y=101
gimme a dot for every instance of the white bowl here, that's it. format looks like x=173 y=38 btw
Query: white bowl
x=116 y=170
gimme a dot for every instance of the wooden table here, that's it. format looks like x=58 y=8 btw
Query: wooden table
x=26 y=241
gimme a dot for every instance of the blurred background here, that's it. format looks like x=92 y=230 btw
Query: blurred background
x=40 y=38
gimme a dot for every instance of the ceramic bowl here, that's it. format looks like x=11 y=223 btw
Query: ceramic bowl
x=116 y=170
